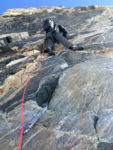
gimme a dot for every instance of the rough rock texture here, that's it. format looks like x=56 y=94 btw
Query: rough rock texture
x=87 y=85
x=77 y=85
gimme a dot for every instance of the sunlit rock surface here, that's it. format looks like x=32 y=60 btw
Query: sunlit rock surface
x=77 y=85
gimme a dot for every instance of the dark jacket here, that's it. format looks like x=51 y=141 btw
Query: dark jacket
x=55 y=33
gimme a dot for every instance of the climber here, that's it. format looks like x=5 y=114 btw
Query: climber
x=56 y=33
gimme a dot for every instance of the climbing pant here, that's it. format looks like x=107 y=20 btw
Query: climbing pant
x=55 y=37
x=61 y=39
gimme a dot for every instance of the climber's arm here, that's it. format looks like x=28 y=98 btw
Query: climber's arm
x=62 y=30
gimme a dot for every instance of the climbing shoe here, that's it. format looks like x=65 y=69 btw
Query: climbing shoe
x=80 y=48
x=75 y=48
x=51 y=53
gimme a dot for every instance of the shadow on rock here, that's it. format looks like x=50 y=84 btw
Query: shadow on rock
x=46 y=89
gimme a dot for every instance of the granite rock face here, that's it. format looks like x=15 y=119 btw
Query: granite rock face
x=87 y=85
x=77 y=85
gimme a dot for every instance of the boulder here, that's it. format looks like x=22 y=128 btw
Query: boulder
x=87 y=86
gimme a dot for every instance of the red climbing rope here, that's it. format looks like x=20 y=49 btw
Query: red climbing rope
x=21 y=134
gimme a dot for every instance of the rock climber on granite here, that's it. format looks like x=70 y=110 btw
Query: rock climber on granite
x=56 y=33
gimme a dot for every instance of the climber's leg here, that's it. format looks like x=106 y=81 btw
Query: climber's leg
x=65 y=42
x=49 y=44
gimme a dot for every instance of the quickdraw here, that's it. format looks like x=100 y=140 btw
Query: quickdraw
x=33 y=122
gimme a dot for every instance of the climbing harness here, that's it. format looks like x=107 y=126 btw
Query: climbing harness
x=22 y=124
